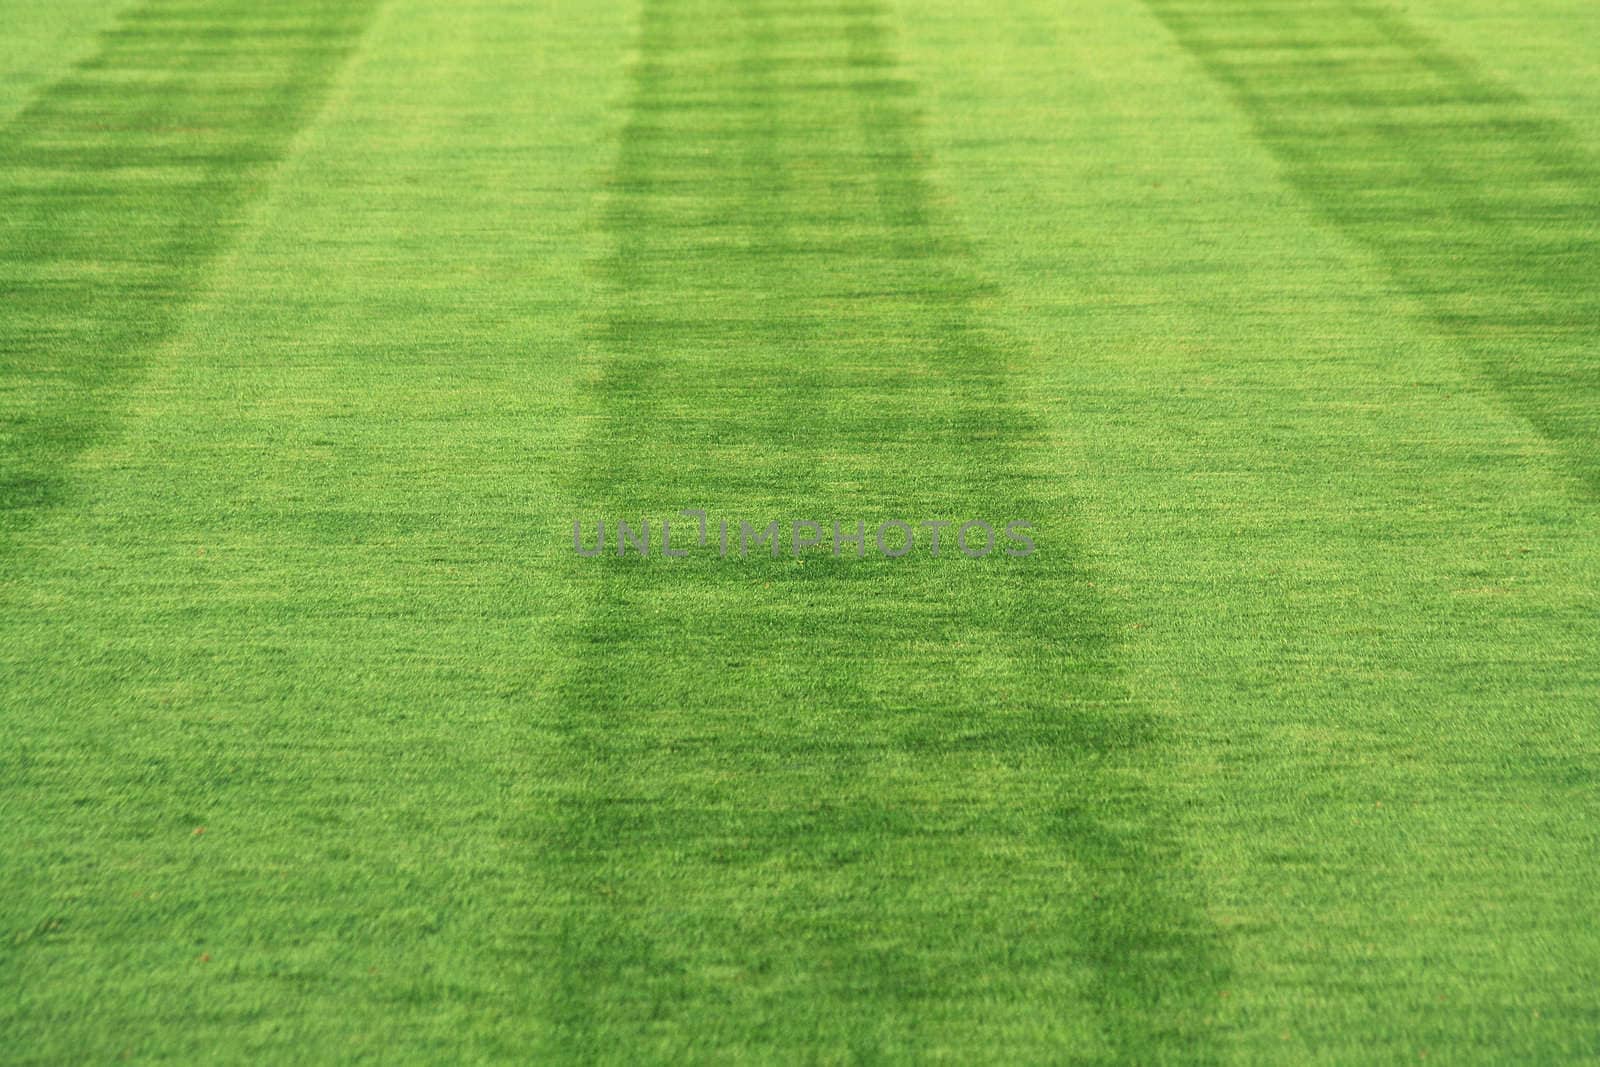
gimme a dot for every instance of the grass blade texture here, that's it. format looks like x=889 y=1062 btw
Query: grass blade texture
x=327 y=325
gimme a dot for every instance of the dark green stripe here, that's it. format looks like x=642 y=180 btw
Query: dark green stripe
x=1485 y=209
x=835 y=808
x=119 y=186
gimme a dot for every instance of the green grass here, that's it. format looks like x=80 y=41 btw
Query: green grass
x=322 y=323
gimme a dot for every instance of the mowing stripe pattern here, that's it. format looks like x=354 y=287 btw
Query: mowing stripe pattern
x=1486 y=211
x=120 y=183
x=817 y=806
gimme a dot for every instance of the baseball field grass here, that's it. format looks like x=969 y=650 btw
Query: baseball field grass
x=1243 y=356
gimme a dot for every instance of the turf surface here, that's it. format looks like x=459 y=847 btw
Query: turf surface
x=323 y=322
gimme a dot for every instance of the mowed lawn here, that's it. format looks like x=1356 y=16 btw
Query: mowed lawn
x=323 y=321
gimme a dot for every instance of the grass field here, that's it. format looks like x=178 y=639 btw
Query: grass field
x=323 y=321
